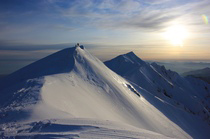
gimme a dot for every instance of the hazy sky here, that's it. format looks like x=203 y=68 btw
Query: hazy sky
x=153 y=29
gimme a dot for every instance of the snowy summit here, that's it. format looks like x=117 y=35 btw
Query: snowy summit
x=72 y=94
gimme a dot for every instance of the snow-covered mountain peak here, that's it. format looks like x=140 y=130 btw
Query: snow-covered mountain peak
x=76 y=86
x=125 y=62
x=71 y=81
x=133 y=58
x=131 y=53
x=188 y=95
x=60 y=62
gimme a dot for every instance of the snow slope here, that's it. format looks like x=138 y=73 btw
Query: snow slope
x=72 y=94
x=76 y=128
x=185 y=101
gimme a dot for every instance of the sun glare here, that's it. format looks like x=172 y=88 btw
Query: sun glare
x=176 y=35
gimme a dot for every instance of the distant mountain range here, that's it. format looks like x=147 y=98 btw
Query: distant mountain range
x=182 y=67
x=72 y=94
x=203 y=74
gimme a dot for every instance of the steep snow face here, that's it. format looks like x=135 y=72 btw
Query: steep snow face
x=170 y=93
x=84 y=88
x=92 y=91
x=60 y=62
x=22 y=88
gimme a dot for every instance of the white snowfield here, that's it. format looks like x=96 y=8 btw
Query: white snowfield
x=72 y=94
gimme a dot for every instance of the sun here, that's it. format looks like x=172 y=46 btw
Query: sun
x=176 y=34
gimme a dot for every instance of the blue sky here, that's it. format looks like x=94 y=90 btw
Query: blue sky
x=32 y=29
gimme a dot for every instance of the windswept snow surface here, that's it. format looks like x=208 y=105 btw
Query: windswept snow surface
x=76 y=128
x=72 y=94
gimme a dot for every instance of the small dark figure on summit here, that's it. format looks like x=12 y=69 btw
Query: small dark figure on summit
x=78 y=45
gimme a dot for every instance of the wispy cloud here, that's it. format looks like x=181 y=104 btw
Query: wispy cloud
x=110 y=14
x=42 y=25
x=149 y=15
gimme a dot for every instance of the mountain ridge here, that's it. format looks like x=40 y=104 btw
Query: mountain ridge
x=45 y=66
x=86 y=89
x=187 y=94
